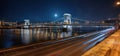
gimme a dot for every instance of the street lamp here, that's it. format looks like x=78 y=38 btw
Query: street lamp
x=118 y=3
x=117 y=22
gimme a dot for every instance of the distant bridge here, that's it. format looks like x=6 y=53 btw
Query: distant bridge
x=67 y=20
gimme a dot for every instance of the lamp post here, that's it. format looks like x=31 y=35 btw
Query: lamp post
x=117 y=5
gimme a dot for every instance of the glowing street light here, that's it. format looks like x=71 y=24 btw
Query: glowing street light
x=118 y=3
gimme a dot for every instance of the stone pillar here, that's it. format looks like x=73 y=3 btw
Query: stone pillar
x=67 y=28
x=27 y=23
x=67 y=18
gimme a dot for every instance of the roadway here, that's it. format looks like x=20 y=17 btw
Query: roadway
x=70 y=47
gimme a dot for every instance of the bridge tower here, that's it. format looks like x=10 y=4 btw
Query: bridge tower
x=67 y=18
x=67 y=28
x=27 y=23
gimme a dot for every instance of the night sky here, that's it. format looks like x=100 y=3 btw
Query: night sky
x=44 y=10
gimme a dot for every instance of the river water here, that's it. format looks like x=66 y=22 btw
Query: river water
x=17 y=37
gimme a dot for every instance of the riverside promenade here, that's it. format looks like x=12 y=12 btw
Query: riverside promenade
x=108 y=47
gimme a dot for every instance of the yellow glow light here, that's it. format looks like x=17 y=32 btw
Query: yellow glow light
x=118 y=3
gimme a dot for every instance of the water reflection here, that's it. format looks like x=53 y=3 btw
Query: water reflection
x=12 y=37
x=43 y=34
x=7 y=40
x=25 y=35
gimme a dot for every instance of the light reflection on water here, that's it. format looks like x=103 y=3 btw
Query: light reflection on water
x=14 y=37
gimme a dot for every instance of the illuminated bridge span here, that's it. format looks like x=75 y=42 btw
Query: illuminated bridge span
x=67 y=20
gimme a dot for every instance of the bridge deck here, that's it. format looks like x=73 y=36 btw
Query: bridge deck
x=109 y=47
